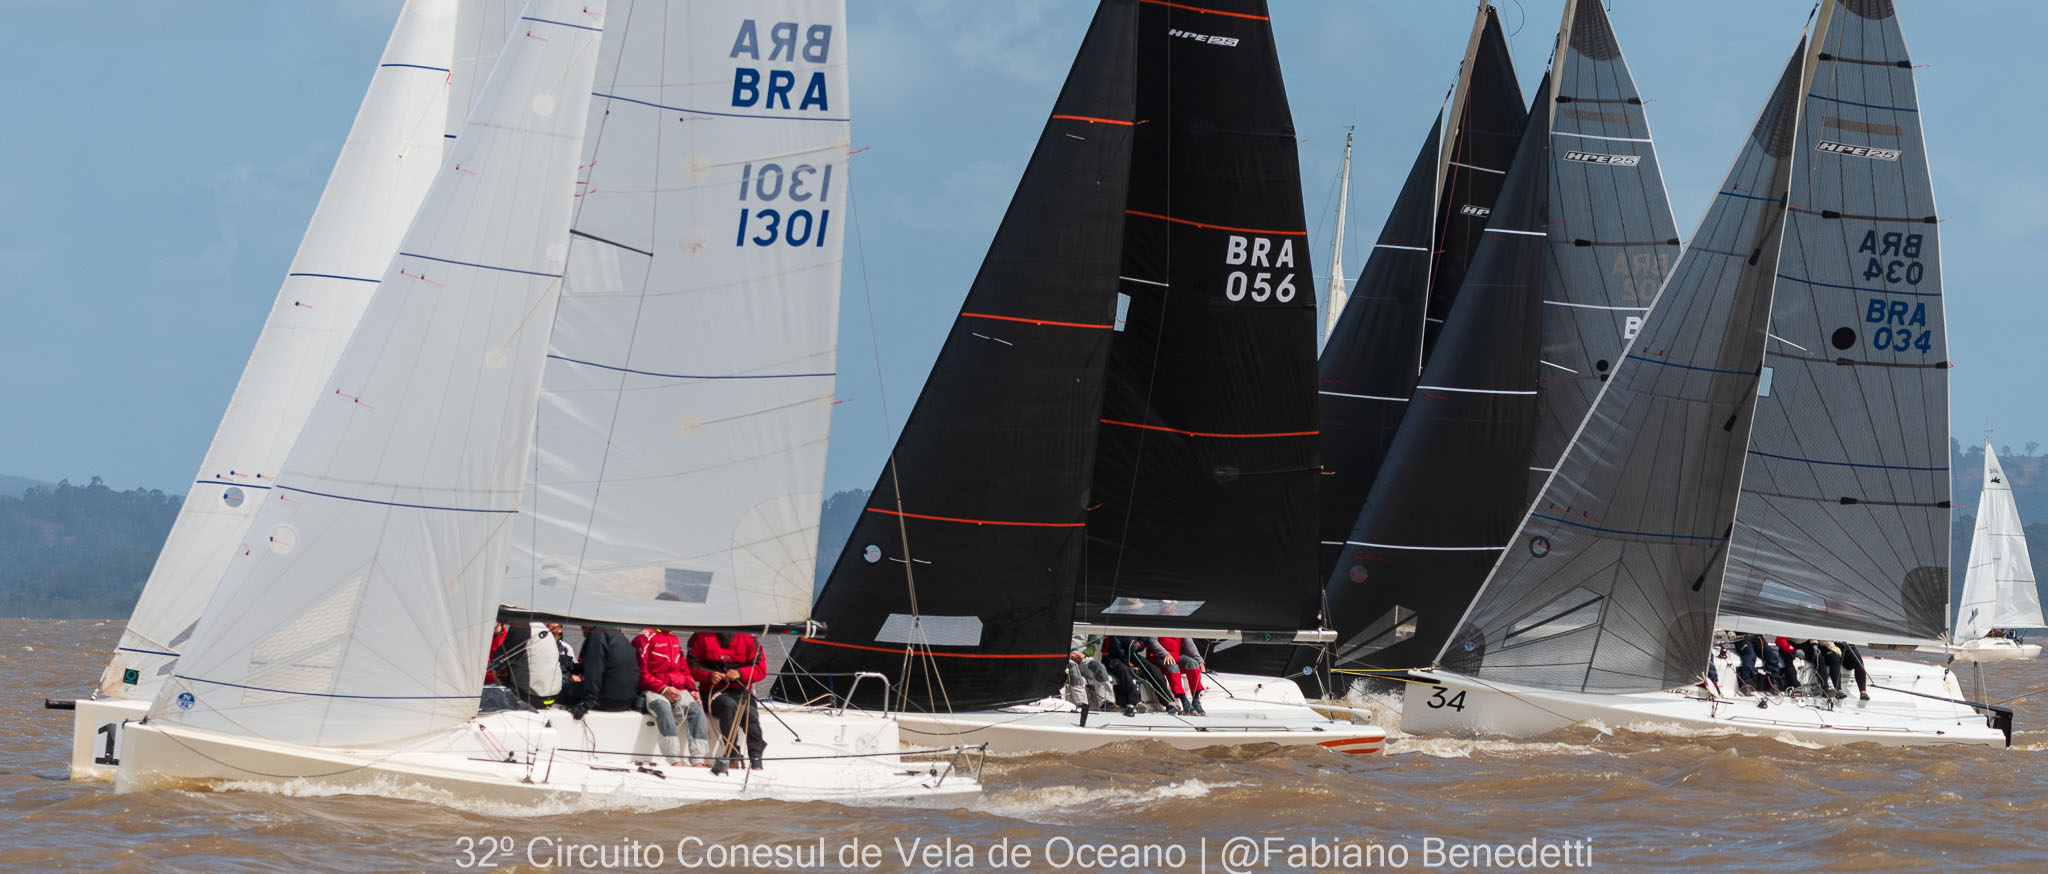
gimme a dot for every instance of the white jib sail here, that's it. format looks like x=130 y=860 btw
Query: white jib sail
x=1998 y=588
x=680 y=448
x=361 y=613
x=392 y=151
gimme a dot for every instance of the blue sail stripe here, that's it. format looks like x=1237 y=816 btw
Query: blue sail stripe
x=222 y=482
x=334 y=276
x=482 y=266
x=709 y=112
x=415 y=67
x=145 y=651
x=1860 y=288
x=1844 y=463
x=396 y=503
x=1691 y=367
x=1629 y=533
x=328 y=694
x=1864 y=105
x=1752 y=197
x=689 y=375
x=562 y=24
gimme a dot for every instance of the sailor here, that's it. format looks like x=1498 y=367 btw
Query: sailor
x=1853 y=660
x=1118 y=654
x=1088 y=682
x=1181 y=660
x=726 y=666
x=607 y=672
x=668 y=692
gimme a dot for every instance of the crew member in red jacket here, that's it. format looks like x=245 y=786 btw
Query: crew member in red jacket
x=668 y=691
x=727 y=665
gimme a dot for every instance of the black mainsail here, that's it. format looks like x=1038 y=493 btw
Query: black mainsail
x=1843 y=532
x=1204 y=494
x=1610 y=583
x=958 y=579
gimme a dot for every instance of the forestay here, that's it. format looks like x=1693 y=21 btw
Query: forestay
x=1998 y=588
x=679 y=453
x=361 y=612
x=1844 y=527
x=1611 y=581
x=386 y=162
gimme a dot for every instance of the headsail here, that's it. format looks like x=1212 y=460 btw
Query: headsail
x=1844 y=528
x=988 y=480
x=361 y=612
x=391 y=153
x=1204 y=496
x=679 y=451
x=1611 y=581
x=1998 y=589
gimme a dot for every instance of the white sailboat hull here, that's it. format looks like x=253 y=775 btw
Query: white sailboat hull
x=96 y=727
x=1262 y=710
x=533 y=758
x=1994 y=649
x=1446 y=703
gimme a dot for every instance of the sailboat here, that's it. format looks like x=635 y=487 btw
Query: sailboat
x=1998 y=588
x=1603 y=606
x=418 y=96
x=1579 y=240
x=1381 y=333
x=1118 y=436
x=626 y=166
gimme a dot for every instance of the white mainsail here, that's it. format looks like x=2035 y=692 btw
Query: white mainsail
x=361 y=613
x=679 y=456
x=391 y=154
x=1998 y=588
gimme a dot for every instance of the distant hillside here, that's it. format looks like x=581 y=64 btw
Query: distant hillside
x=79 y=551
x=2027 y=470
x=12 y=486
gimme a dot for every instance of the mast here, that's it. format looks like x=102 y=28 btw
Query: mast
x=1462 y=95
x=1335 y=306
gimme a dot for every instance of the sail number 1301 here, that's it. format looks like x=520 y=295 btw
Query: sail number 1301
x=784 y=225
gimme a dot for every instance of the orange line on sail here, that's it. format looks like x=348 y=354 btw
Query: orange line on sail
x=1207 y=433
x=1093 y=120
x=1206 y=11
x=1182 y=221
x=949 y=655
x=1036 y=321
x=977 y=521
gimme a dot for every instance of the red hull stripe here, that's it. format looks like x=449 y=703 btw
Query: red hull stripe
x=1168 y=218
x=1093 y=120
x=948 y=655
x=976 y=521
x=1036 y=321
x=1206 y=433
x=1206 y=11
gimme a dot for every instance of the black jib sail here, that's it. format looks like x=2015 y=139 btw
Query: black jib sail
x=1611 y=581
x=1487 y=118
x=1843 y=532
x=1204 y=510
x=958 y=580
x=1455 y=482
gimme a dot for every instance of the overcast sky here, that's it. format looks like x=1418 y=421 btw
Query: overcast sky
x=163 y=157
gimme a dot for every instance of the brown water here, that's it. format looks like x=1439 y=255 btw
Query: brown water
x=1642 y=801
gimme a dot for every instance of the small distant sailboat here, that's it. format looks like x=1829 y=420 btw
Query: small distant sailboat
x=1998 y=589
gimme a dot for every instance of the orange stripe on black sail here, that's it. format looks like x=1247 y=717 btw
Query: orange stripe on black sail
x=949 y=655
x=976 y=521
x=1093 y=120
x=1205 y=11
x=1207 y=433
x=1190 y=222
x=1036 y=321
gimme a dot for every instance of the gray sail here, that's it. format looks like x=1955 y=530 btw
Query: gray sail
x=1613 y=239
x=1610 y=584
x=1843 y=531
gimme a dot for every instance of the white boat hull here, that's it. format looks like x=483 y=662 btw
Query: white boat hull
x=532 y=758
x=1261 y=710
x=1994 y=649
x=96 y=728
x=1446 y=703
